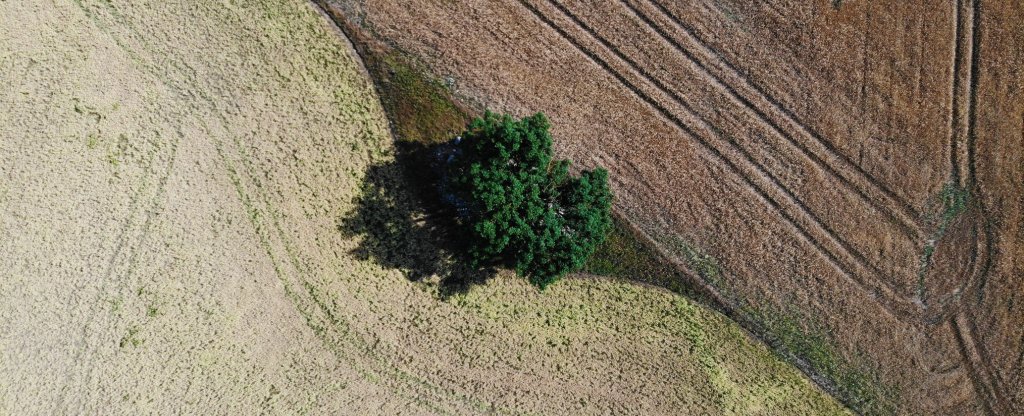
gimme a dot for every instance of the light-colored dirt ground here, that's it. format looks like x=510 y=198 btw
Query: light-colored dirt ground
x=172 y=178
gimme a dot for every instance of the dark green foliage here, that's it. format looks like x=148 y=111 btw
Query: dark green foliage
x=522 y=209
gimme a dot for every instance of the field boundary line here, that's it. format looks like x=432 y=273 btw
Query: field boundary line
x=839 y=165
x=893 y=303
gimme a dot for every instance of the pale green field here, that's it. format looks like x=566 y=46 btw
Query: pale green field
x=172 y=180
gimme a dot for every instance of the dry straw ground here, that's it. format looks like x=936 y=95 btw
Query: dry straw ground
x=175 y=183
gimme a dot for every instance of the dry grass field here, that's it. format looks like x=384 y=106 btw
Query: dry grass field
x=185 y=194
x=846 y=176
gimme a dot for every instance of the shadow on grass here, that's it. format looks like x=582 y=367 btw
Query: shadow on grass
x=403 y=228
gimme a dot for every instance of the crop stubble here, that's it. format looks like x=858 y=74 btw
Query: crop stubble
x=173 y=177
x=802 y=144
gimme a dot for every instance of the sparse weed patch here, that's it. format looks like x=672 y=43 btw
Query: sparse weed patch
x=705 y=265
x=951 y=202
x=420 y=107
x=131 y=338
x=92 y=140
x=802 y=340
x=954 y=200
x=624 y=256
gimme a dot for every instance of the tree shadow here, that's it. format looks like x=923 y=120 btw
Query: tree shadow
x=404 y=227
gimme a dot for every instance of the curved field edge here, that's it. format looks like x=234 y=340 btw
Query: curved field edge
x=175 y=175
x=424 y=110
x=655 y=256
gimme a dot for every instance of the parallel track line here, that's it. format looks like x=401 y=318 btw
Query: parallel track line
x=728 y=154
x=826 y=156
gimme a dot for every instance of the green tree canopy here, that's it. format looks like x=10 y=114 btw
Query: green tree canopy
x=520 y=208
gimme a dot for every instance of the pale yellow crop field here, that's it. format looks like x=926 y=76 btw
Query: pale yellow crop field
x=172 y=179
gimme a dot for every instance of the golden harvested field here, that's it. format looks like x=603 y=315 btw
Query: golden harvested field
x=178 y=183
x=846 y=176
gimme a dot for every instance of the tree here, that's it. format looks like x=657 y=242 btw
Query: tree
x=518 y=208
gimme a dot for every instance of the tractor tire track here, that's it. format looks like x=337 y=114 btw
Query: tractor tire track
x=312 y=304
x=973 y=89
x=123 y=249
x=133 y=252
x=1017 y=368
x=333 y=331
x=122 y=245
x=963 y=136
x=175 y=75
x=986 y=380
x=759 y=171
x=750 y=172
x=961 y=96
x=825 y=155
x=830 y=234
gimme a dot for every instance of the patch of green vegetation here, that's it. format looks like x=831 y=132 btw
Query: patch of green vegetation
x=92 y=140
x=800 y=339
x=926 y=257
x=115 y=305
x=728 y=10
x=952 y=201
x=706 y=356
x=624 y=256
x=87 y=110
x=131 y=338
x=519 y=207
x=705 y=265
x=421 y=109
x=152 y=311
x=114 y=158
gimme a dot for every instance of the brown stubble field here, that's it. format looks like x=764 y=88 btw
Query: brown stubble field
x=853 y=170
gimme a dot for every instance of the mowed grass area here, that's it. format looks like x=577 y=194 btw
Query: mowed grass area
x=201 y=211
